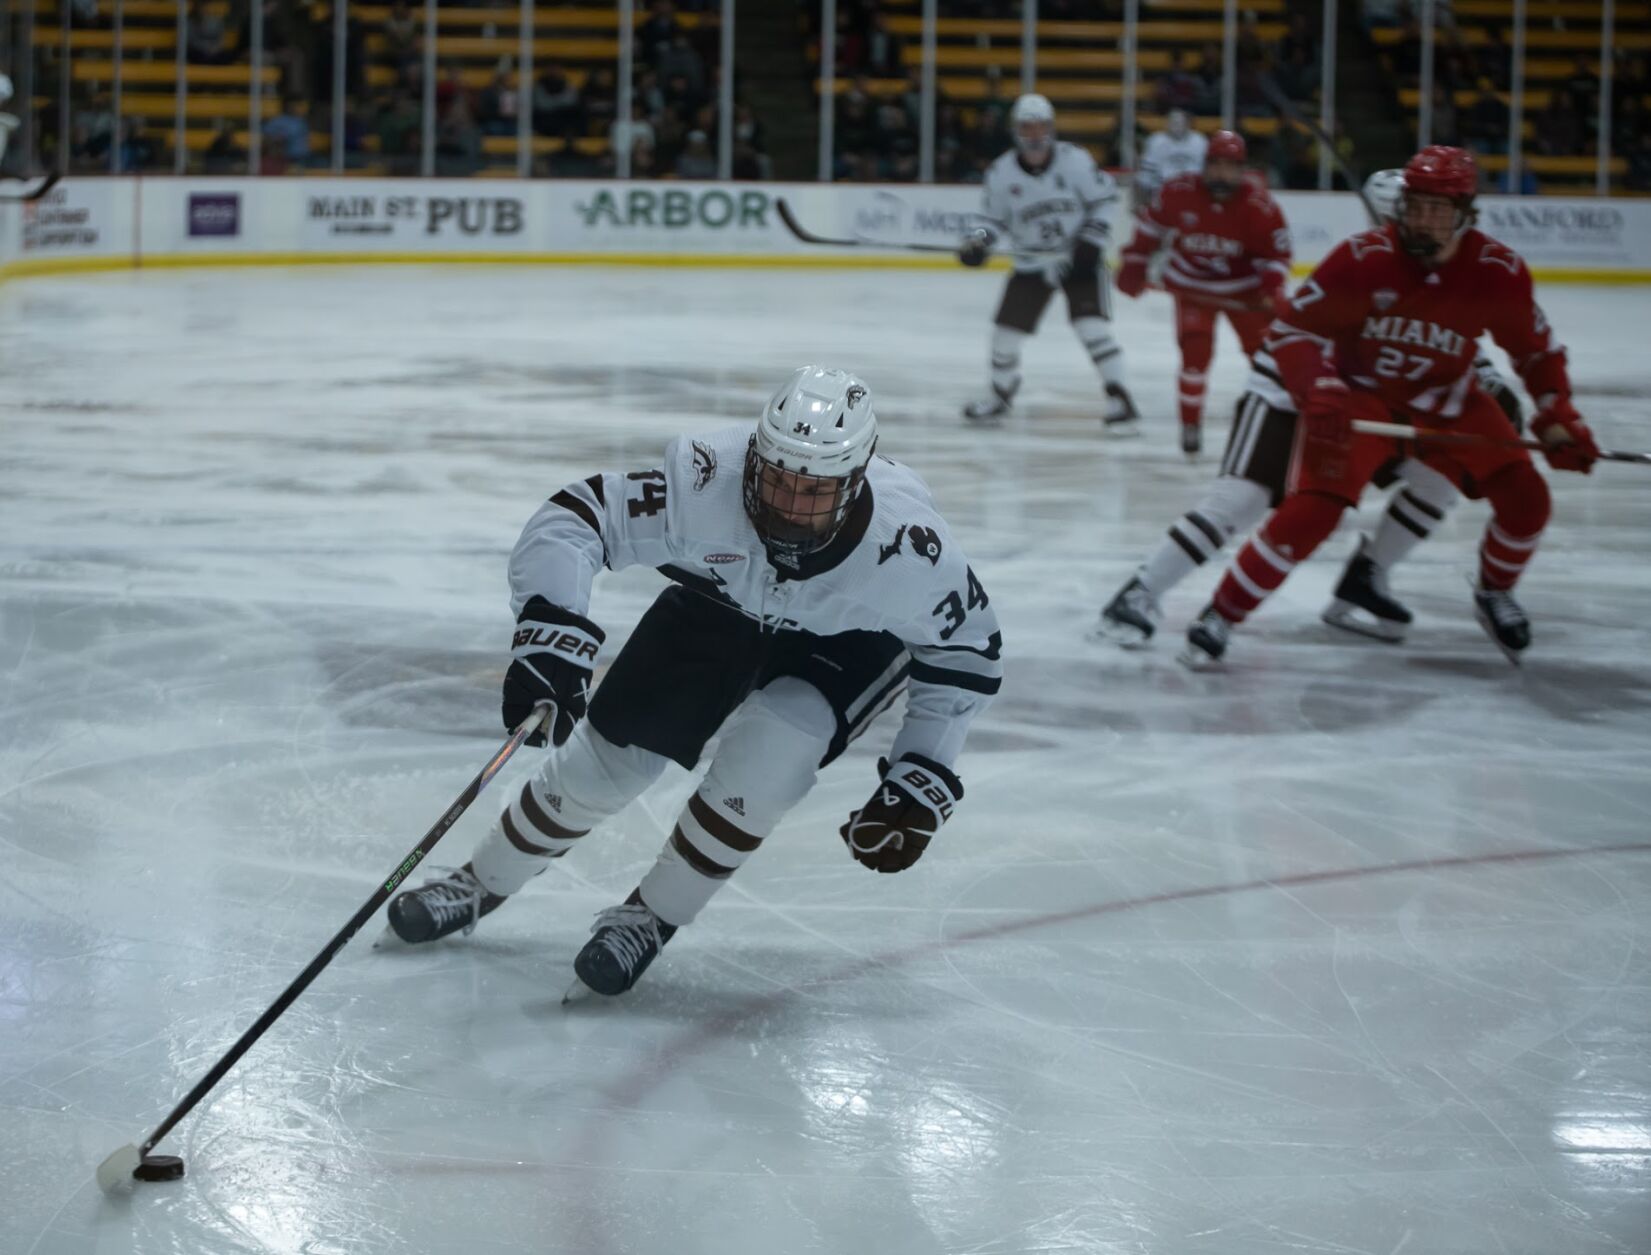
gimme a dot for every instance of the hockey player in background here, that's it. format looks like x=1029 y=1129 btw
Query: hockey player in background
x=813 y=583
x=1228 y=251
x=1048 y=206
x=9 y=122
x=1169 y=153
x=1252 y=480
x=1387 y=327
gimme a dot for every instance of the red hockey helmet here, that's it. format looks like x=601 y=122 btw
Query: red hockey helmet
x=1445 y=173
x=1440 y=170
x=1227 y=146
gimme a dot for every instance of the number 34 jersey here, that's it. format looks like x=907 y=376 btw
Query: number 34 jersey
x=893 y=567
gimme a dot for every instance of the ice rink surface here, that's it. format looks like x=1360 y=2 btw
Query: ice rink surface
x=1343 y=950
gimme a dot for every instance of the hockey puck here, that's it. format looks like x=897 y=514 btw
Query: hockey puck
x=159 y=1168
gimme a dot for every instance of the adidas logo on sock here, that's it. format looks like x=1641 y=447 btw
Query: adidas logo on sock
x=735 y=804
x=553 y=801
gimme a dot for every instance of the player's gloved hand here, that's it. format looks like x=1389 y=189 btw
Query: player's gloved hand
x=1332 y=406
x=1085 y=259
x=1272 y=300
x=976 y=247
x=551 y=654
x=1132 y=275
x=1567 y=443
x=891 y=831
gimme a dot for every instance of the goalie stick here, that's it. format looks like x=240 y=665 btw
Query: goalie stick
x=1404 y=431
x=34 y=194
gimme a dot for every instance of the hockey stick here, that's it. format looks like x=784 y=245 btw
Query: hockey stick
x=131 y=1162
x=808 y=237
x=1287 y=107
x=1405 y=431
x=47 y=185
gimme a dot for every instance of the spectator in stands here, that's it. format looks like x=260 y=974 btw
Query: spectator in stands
x=1295 y=159
x=643 y=159
x=400 y=36
x=749 y=164
x=206 y=36
x=1454 y=66
x=1495 y=58
x=556 y=109
x=1628 y=123
x=896 y=143
x=224 y=155
x=747 y=130
x=496 y=110
x=680 y=95
x=1582 y=88
x=1180 y=88
x=399 y=133
x=1638 y=178
x=1528 y=186
x=1557 y=130
x=1209 y=73
x=288 y=133
x=697 y=161
x=856 y=132
x=1445 y=127
x=1485 y=125
x=1298 y=75
x=679 y=60
x=94 y=131
x=138 y=152
x=884 y=56
x=1631 y=79
x=599 y=99
x=656 y=34
x=636 y=131
x=458 y=138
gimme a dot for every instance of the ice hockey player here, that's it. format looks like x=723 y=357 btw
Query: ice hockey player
x=1047 y=204
x=9 y=122
x=1252 y=480
x=1228 y=252
x=1173 y=151
x=1387 y=328
x=813 y=583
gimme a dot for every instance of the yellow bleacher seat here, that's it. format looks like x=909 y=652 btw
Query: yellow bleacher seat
x=165 y=73
x=1554 y=165
x=1536 y=39
x=954 y=57
x=543 y=18
x=163 y=105
x=480 y=46
x=1092 y=32
x=133 y=39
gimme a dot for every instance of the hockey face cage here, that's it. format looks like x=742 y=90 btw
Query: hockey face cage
x=796 y=513
x=1438 y=172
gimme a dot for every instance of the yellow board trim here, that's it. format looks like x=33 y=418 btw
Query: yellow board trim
x=841 y=260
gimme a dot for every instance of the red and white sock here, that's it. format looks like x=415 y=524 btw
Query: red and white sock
x=1190 y=395
x=1502 y=557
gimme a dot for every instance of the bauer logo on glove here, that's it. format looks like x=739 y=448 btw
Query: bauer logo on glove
x=891 y=831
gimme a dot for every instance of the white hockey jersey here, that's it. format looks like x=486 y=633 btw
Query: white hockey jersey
x=1165 y=157
x=893 y=568
x=1038 y=218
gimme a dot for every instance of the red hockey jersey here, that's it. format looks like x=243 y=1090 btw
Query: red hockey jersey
x=1221 y=249
x=1409 y=332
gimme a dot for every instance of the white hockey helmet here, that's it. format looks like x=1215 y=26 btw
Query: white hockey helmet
x=1383 y=189
x=807 y=460
x=1032 y=123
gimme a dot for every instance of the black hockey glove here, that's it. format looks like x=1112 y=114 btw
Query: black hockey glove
x=977 y=245
x=891 y=831
x=552 y=654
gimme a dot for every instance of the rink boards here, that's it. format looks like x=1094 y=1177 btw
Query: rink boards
x=108 y=223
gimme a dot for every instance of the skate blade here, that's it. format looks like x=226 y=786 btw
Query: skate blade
x=1514 y=656
x=1123 y=635
x=1121 y=428
x=576 y=992
x=389 y=939
x=1195 y=659
x=1351 y=618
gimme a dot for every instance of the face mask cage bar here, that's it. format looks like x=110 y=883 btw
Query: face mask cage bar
x=1425 y=246
x=796 y=514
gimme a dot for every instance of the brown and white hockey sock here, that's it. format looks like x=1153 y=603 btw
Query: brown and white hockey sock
x=706 y=847
x=1230 y=506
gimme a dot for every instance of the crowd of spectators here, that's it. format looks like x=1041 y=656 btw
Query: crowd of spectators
x=669 y=127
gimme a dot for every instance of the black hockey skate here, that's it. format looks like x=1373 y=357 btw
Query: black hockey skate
x=991 y=409
x=624 y=940
x=1504 y=622
x=1130 y=618
x=1206 y=639
x=438 y=908
x=1120 y=417
x=1363 y=603
x=1192 y=439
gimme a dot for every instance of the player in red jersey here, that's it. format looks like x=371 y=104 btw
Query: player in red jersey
x=1229 y=252
x=1386 y=329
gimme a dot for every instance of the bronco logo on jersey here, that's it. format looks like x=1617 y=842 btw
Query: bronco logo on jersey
x=705 y=465
x=925 y=543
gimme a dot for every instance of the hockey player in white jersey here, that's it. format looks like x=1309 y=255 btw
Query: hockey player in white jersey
x=1176 y=150
x=1252 y=481
x=813 y=583
x=9 y=122
x=1048 y=206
